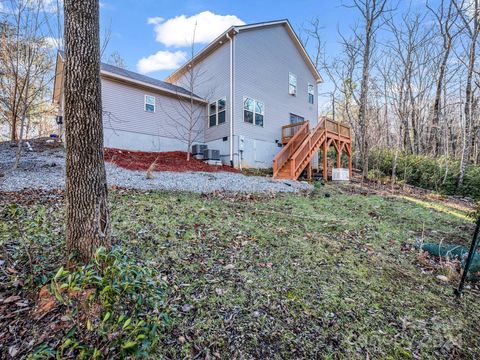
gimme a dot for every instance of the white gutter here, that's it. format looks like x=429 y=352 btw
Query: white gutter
x=231 y=98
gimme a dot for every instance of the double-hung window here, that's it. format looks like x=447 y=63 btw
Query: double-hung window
x=149 y=105
x=253 y=111
x=311 y=94
x=216 y=112
x=292 y=84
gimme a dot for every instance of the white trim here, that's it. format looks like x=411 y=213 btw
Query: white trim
x=262 y=24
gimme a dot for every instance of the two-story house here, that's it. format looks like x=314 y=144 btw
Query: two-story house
x=234 y=95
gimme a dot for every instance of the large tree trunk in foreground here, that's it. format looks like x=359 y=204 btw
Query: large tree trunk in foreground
x=88 y=224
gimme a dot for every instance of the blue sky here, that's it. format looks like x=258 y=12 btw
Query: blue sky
x=135 y=38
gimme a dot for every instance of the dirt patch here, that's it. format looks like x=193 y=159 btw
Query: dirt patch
x=164 y=161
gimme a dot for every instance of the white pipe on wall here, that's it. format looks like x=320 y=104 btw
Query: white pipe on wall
x=231 y=98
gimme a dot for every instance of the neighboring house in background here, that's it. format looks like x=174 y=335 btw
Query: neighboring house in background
x=250 y=81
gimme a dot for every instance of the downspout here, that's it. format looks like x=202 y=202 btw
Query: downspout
x=231 y=98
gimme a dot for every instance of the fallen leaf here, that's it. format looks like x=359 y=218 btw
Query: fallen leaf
x=10 y=299
x=267 y=265
x=219 y=291
x=186 y=308
x=13 y=351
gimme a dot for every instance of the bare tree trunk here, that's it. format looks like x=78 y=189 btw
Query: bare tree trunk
x=468 y=132
x=370 y=10
x=362 y=111
x=87 y=216
x=22 y=124
x=445 y=24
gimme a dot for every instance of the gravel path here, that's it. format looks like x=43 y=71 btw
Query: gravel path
x=45 y=170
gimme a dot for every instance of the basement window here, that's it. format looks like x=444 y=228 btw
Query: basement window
x=150 y=103
x=253 y=111
x=217 y=112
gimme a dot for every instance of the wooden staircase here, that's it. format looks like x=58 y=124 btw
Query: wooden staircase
x=302 y=144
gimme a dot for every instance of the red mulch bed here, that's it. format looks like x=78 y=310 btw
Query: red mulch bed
x=165 y=161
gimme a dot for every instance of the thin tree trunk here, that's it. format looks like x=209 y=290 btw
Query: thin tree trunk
x=363 y=103
x=22 y=123
x=435 y=135
x=87 y=216
x=468 y=131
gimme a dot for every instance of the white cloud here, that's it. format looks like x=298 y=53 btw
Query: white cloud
x=51 y=6
x=54 y=43
x=162 y=60
x=178 y=31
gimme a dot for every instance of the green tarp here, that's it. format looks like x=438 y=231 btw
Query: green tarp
x=453 y=252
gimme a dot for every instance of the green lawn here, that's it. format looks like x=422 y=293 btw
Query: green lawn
x=291 y=276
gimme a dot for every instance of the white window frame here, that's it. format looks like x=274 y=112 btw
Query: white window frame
x=254 y=111
x=217 y=111
x=310 y=86
x=145 y=103
x=291 y=84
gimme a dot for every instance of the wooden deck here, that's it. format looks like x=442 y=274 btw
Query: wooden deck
x=302 y=144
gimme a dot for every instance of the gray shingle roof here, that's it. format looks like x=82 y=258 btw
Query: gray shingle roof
x=145 y=79
x=142 y=78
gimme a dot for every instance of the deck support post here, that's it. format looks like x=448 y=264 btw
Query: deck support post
x=325 y=169
x=349 y=152
x=339 y=155
x=309 y=172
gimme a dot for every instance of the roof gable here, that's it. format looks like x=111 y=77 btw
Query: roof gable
x=223 y=38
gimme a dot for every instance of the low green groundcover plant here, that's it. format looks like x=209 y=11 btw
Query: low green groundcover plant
x=114 y=304
x=438 y=174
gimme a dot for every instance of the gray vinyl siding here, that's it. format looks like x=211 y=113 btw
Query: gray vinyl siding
x=123 y=107
x=212 y=82
x=263 y=59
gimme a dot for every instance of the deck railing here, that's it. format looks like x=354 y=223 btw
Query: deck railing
x=289 y=130
x=287 y=151
x=337 y=128
x=304 y=150
x=302 y=144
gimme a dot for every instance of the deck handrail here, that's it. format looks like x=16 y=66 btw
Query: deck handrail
x=292 y=131
x=303 y=150
x=284 y=155
x=337 y=127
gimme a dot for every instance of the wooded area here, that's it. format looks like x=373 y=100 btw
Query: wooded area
x=406 y=80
